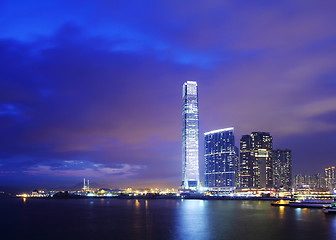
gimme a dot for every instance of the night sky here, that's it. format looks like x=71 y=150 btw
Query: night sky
x=95 y=89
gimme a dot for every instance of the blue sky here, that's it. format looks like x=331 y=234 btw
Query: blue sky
x=94 y=89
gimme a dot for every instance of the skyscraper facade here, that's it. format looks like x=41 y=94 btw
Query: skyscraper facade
x=236 y=168
x=246 y=163
x=220 y=155
x=262 y=146
x=315 y=182
x=330 y=178
x=190 y=143
x=282 y=169
x=256 y=161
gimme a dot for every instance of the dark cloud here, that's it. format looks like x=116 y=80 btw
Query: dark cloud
x=97 y=93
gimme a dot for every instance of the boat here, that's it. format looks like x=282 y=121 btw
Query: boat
x=311 y=203
x=312 y=200
x=331 y=208
x=280 y=203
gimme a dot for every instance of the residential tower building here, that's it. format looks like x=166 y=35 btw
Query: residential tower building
x=330 y=178
x=282 y=169
x=256 y=161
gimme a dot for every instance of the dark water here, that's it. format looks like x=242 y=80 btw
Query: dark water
x=160 y=219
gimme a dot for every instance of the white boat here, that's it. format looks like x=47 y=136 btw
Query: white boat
x=312 y=203
x=331 y=208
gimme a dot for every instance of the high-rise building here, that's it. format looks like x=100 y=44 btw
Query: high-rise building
x=330 y=178
x=256 y=161
x=262 y=145
x=246 y=163
x=236 y=167
x=320 y=182
x=190 y=128
x=220 y=155
x=315 y=182
x=282 y=169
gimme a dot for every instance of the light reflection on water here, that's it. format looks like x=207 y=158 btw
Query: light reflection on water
x=162 y=219
x=281 y=212
x=192 y=220
x=248 y=205
x=333 y=229
x=298 y=214
x=137 y=204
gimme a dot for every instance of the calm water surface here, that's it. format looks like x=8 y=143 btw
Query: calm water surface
x=160 y=219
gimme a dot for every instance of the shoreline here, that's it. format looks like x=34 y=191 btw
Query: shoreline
x=162 y=197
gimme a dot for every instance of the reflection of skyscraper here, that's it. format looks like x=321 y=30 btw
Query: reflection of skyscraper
x=190 y=170
x=220 y=160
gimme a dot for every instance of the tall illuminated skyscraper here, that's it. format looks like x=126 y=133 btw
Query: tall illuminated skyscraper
x=256 y=161
x=190 y=125
x=262 y=146
x=330 y=178
x=282 y=169
x=246 y=162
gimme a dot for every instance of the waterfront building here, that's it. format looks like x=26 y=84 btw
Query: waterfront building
x=236 y=167
x=246 y=164
x=330 y=178
x=256 y=161
x=220 y=155
x=282 y=169
x=190 y=143
x=314 y=182
x=320 y=182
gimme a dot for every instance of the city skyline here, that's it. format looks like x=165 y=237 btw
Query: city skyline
x=96 y=93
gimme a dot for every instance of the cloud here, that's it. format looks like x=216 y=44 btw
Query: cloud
x=124 y=170
x=317 y=108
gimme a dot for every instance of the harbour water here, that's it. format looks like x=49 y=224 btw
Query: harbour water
x=160 y=219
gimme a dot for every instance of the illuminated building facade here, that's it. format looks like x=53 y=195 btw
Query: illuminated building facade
x=315 y=182
x=256 y=161
x=330 y=178
x=262 y=145
x=220 y=160
x=282 y=169
x=190 y=128
x=236 y=154
x=246 y=163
